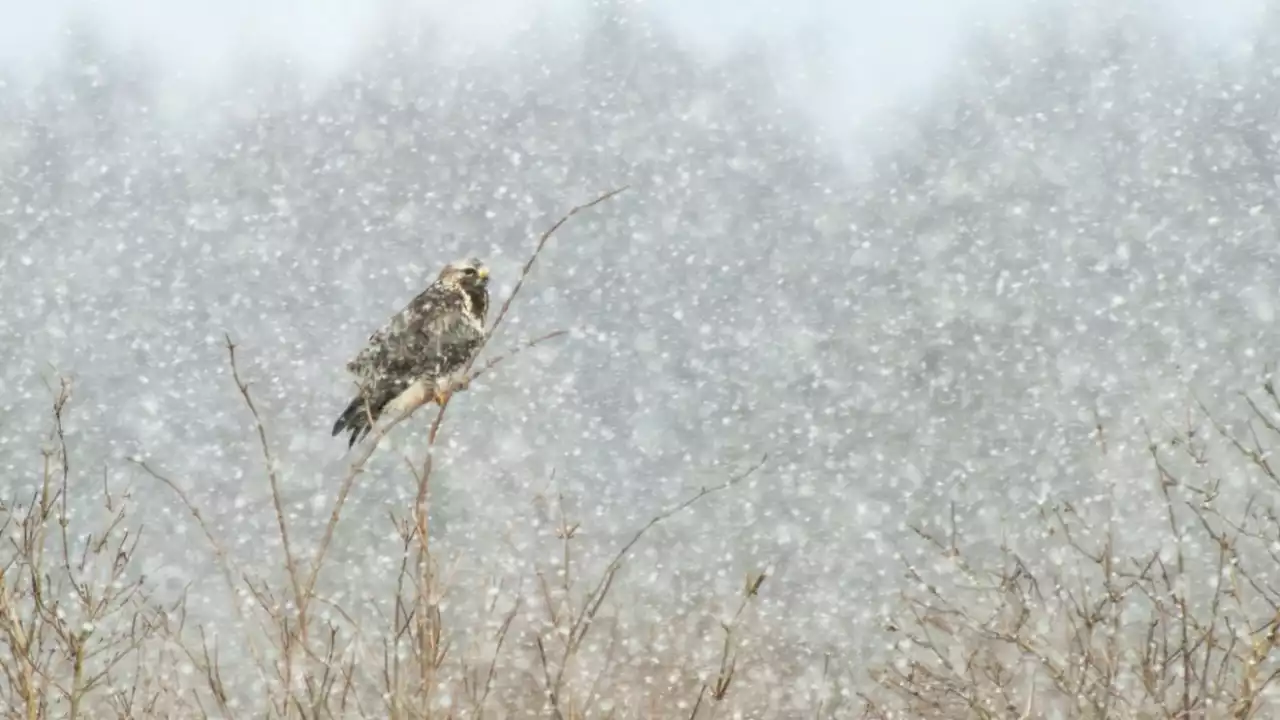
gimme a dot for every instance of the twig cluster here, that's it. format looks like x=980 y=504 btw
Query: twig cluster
x=1185 y=629
x=75 y=626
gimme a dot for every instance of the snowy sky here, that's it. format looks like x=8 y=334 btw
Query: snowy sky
x=843 y=56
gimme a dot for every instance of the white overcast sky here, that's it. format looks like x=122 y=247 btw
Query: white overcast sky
x=877 y=49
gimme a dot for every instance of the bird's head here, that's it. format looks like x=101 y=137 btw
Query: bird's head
x=469 y=274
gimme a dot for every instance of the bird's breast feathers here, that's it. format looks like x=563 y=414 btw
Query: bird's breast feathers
x=453 y=326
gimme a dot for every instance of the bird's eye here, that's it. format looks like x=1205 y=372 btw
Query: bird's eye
x=469 y=271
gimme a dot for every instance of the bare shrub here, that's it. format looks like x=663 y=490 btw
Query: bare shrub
x=1185 y=628
x=79 y=629
x=1094 y=619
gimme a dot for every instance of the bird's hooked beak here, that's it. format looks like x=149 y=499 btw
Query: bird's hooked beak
x=483 y=274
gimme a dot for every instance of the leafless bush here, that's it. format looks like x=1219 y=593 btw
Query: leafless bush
x=1182 y=626
x=1090 y=629
x=1186 y=628
x=78 y=627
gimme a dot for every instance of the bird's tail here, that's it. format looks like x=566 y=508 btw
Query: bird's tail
x=356 y=417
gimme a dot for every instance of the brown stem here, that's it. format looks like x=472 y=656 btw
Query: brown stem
x=300 y=599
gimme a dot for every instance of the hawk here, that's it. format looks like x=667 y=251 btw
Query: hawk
x=415 y=356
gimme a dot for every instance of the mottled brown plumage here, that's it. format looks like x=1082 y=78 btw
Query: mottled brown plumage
x=421 y=348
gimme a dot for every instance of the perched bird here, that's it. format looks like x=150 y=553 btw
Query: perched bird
x=416 y=355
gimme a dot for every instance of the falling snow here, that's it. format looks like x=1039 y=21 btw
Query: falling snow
x=918 y=311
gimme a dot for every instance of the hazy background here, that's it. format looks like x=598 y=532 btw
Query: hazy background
x=910 y=250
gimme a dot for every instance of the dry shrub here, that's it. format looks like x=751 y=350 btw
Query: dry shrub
x=1094 y=625
x=81 y=635
x=1108 y=621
